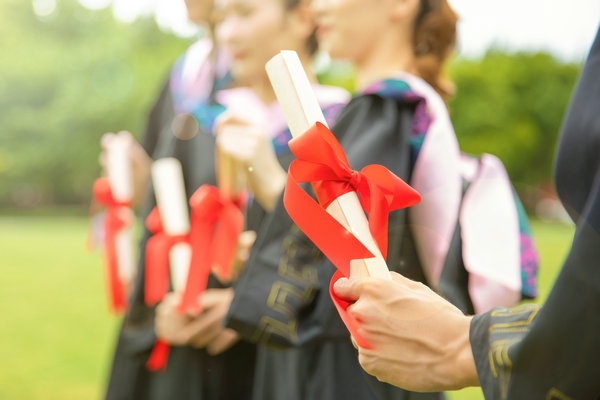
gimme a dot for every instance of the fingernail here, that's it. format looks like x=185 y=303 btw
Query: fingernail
x=340 y=283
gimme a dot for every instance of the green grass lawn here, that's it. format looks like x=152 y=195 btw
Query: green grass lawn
x=57 y=336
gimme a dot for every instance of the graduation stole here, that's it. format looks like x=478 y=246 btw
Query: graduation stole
x=336 y=224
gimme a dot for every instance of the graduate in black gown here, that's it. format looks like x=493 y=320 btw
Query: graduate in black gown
x=206 y=360
x=397 y=119
x=527 y=352
x=179 y=126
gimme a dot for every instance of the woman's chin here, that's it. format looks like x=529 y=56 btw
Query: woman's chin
x=338 y=54
x=197 y=16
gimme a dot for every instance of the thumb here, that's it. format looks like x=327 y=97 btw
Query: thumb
x=348 y=289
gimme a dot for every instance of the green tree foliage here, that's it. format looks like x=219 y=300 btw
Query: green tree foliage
x=69 y=77
x=65 y=79
x=512 y=105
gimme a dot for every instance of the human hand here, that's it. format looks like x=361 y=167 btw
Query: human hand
x=420 y=342
x=248 y=146
x=140 y=164
x=206 y=329
x=170 y=325
x=202 y=330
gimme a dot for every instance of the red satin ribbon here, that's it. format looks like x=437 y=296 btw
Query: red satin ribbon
x=159 y=356
x=321 y=161
x=117 y=217
x=156 y=283
x=215 y=225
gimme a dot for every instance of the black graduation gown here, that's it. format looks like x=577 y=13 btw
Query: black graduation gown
x=191 y=373
x=552 y=352
x=282 y=300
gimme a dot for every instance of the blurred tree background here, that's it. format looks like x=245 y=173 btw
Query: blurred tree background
x=512 y=105
x=70 y=75
x=65 y=79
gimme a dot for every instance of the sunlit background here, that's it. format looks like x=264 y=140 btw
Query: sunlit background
x=72 y=70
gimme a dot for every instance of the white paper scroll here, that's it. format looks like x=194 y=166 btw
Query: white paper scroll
x=229 y=179
x=302 y=110
x=167 y=178
x=121 y=184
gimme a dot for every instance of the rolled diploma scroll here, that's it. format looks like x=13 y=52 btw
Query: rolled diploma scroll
x=121 y=184
x=229 y=179
x=230 y=176
x=167 y=178
x=301 y=110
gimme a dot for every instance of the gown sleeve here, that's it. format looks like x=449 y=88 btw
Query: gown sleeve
x=159 y=113
x=552 y=351
x=282 y=298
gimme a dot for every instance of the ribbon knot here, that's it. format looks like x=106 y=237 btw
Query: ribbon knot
x=117 y=217
x=322 y=161
x=215 y=225
x=103 y=194
x=355 y=179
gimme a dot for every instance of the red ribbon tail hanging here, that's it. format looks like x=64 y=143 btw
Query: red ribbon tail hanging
x=382 y=193
x=338 y=244
x=199 y=270
x=225 y=240
x=341 y=305
x=113 y=223
x=205 y=206
x=156 y=274
x=322 y=161
x=159 y=356
x=115 y=287
x=156 y=262
x=375 y=205
x=216 y=224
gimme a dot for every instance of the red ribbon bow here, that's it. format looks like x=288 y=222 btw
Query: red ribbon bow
x=215 y=225
x=117 y=217
x=321 y=160
x=157 y=271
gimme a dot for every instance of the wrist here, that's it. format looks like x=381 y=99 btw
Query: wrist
x=465 y=371
x=272 y=185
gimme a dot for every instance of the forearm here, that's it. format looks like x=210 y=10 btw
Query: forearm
x=267 y=186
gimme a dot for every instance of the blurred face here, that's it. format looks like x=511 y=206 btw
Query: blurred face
x=348 y=29
x=253 y=31
x=198 y=10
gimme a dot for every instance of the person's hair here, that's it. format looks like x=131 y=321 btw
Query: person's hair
x=311 y=42
x=434 y=40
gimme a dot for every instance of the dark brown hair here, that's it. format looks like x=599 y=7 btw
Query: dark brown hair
x=434 y=41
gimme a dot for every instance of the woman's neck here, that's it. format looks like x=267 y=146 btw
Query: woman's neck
x=263 y=90
x=387 y=57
